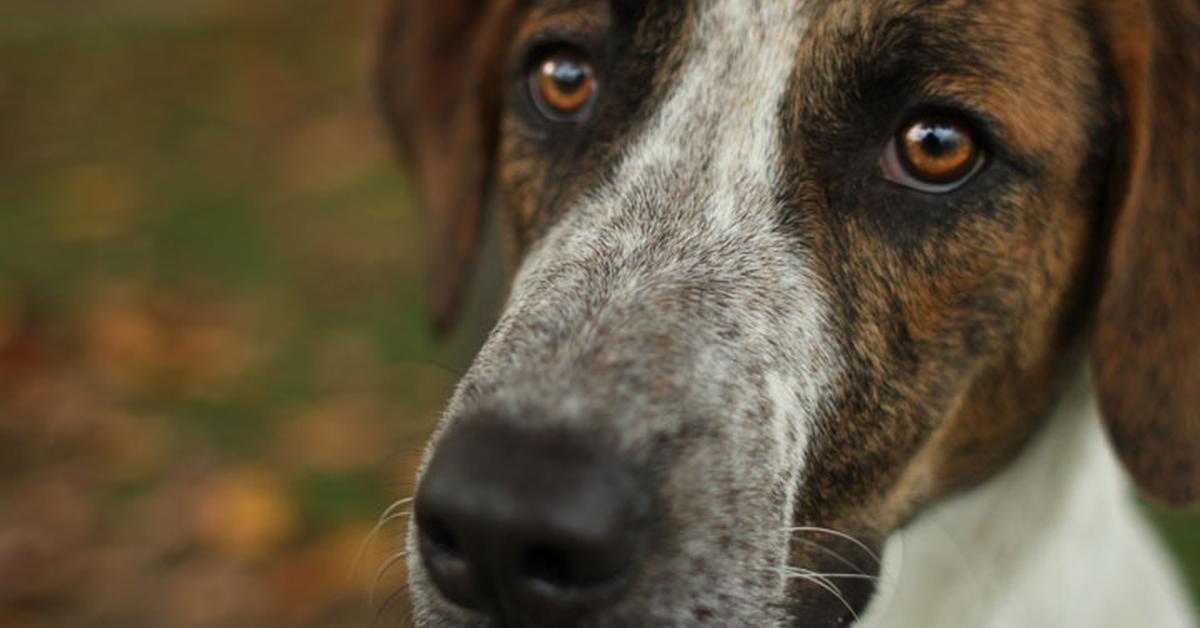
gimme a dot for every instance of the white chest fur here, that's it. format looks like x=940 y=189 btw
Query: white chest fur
x=1055 y=541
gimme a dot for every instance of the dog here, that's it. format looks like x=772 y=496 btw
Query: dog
x=822 y=312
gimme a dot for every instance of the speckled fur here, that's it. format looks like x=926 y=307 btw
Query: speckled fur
x=683 y=326
x=714 y=280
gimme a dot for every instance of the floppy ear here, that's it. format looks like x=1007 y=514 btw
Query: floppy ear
x=439 y=77
x=1146 y=349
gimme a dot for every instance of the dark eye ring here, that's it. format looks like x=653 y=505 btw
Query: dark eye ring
x=563 y=85
x=933 y=153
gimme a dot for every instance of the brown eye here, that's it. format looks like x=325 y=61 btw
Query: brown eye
x=563 y=85
x=933 y=154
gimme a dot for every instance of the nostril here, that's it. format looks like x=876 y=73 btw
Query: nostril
x=572 y=565
x=440 y=536
x=445 y=557
x=547 y=564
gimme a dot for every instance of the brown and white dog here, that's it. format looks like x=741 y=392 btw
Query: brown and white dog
x=822 y=312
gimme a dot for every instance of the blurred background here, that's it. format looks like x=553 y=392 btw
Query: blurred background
x=215 y=372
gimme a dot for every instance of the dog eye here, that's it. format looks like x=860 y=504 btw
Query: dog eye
x=935 y=154
x=563 y=85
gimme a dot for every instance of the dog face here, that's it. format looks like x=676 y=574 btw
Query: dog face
x=788 y=272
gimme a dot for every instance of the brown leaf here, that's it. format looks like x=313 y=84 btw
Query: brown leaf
x=208 y=593
x=339 y=435
x=309 y=583
x=245 y=514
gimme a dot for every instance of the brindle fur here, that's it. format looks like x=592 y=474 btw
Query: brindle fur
x=944 y=326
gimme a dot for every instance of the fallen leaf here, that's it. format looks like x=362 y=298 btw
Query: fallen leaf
x=245 y=514
x=335 y=436
x=209 y=593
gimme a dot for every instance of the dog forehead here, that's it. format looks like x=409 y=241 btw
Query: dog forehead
x=731 y=58
x=717 y=129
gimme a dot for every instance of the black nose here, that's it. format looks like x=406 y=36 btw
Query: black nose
x=529 y=528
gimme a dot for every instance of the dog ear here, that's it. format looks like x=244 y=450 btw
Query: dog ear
x=1146 y=348
x=439 y=80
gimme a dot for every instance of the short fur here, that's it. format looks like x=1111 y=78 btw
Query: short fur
x=715 y=279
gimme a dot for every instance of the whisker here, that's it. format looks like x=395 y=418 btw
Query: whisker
x=398 y=515
x=845 y=561
x=844 y=576
x=827 y=586
x=386 y=603
x=390 y=514
x=842 y=535
x=381 y=572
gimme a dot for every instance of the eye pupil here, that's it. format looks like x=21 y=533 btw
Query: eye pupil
x=938 y=141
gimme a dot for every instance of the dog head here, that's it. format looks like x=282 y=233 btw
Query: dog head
x=788 y=272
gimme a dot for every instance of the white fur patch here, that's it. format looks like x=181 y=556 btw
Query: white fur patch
x=1054 y=541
